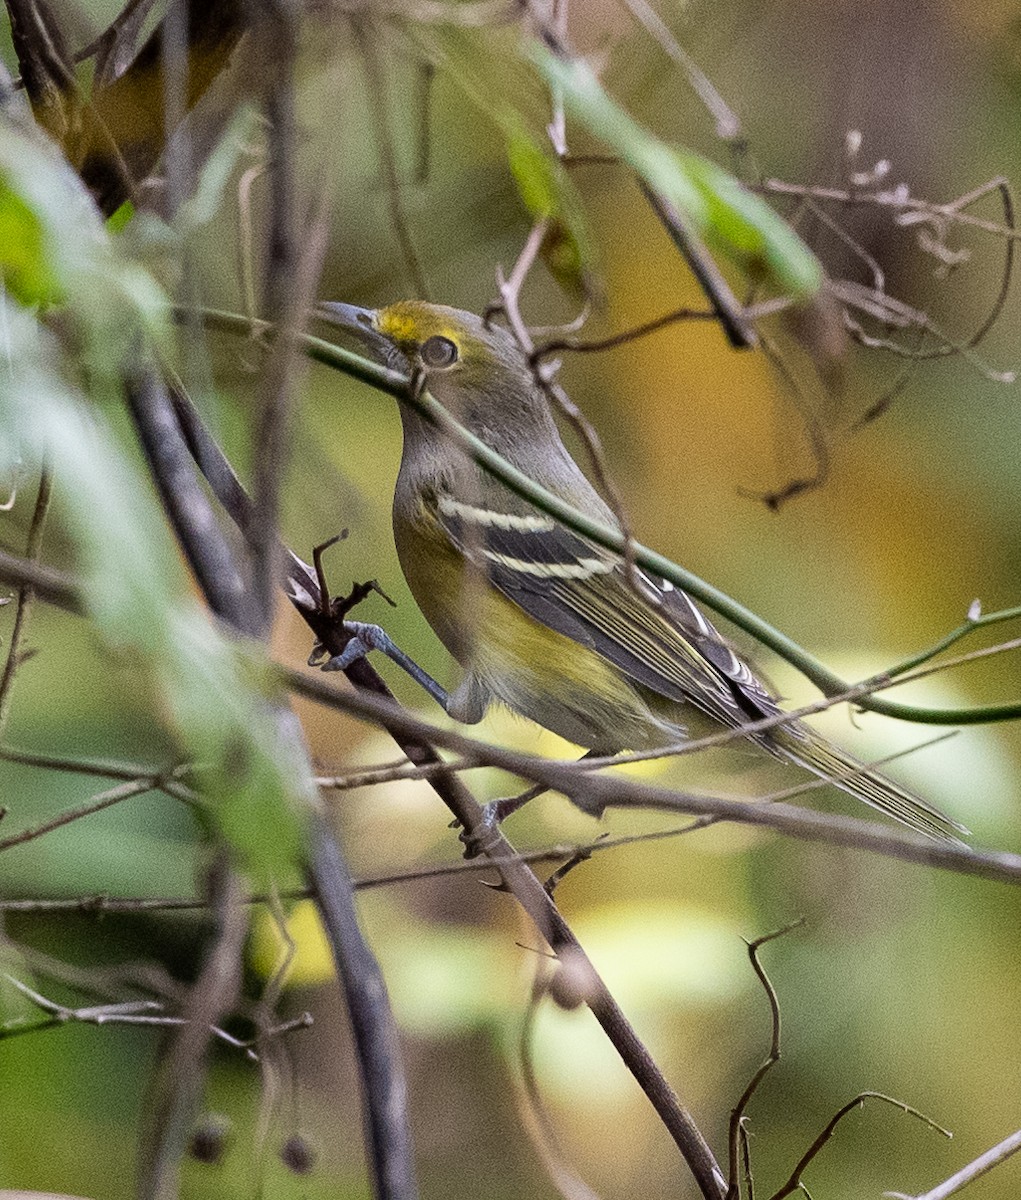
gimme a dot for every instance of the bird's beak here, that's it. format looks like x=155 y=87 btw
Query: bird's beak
x=359 y=321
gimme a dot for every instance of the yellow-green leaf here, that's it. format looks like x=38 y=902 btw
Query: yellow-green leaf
x=719 y=209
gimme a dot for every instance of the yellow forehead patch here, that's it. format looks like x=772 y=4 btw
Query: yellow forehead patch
x=410 y=323
x=398 y=323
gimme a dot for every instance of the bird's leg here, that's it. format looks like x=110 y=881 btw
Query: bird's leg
x=366 y=637
x=363 y=637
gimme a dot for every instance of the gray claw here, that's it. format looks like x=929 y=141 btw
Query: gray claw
x=354 y=650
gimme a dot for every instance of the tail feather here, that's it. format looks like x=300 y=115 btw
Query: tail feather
x=828 y=762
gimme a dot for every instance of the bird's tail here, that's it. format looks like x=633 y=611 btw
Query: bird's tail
x=829 y=762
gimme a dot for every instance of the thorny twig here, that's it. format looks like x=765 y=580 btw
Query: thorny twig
x=737 y=1117
x=794 y=1183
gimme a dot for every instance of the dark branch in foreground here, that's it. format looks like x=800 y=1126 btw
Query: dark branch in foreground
x=387 y=1128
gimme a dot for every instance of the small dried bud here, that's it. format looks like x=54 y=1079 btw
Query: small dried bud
x=297 y=1155
x=572 y=982
x=209 y=1140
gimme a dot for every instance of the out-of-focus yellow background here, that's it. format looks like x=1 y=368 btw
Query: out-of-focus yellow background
x=902 y=980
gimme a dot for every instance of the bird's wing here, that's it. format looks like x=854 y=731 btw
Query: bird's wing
x=659 y=639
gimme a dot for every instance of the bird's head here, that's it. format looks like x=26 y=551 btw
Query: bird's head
x=469 y=366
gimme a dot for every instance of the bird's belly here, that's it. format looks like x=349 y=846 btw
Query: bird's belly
x=541 y=674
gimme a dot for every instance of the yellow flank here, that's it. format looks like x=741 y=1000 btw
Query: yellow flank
x=523 y=663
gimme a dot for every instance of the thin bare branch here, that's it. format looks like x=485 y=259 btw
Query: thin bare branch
x=108 y=799
x=23 y=601
x=728 y=124
x=886 y=398
x=814 y=431
x=48 y=584
x=594 y=794
x=131 y=1012
x=578 y=346
x=367 y=36
x=102 y=904
x=985 y=1162
x=81 y=766
x=471 y=14
x=729 y=310
x=900 y=200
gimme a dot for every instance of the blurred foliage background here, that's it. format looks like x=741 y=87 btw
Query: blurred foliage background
x=902 y=979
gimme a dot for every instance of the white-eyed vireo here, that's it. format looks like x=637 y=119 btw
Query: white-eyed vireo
x=541 y=619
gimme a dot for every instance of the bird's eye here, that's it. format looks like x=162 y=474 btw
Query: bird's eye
x=438 y=352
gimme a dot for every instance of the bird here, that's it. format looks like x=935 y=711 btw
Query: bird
x=541 y=619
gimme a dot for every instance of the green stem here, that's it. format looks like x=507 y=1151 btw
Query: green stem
x=829 y=683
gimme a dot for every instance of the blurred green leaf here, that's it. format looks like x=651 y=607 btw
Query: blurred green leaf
x=533 y=173
x=211 y=693
x=120 y=217
x=547 y=193
x=23 y=260
x=109 y=299
x=719 y=209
